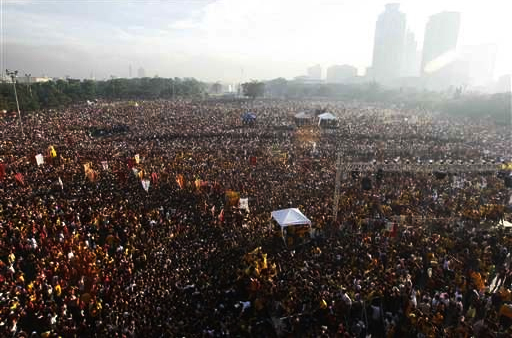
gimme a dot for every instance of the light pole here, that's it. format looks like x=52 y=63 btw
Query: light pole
x=28 y=83
x=13 y=78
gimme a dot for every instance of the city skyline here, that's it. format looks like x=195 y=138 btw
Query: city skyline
x=202 y=39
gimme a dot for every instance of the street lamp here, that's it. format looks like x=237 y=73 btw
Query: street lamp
x=28 y=76
x=13 y=78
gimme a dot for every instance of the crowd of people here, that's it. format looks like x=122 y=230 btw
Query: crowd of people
x=127 y=232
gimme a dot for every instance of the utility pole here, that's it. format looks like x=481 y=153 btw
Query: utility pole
x=13 y=78
x=28 y=83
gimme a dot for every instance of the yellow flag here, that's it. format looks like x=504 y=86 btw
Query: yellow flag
x=53 y=153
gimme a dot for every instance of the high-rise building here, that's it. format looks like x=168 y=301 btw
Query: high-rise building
x=411 y=61
x=441 y=34
x=340 y=73
x=315 y=72
x=388 y=49
x=141 y=72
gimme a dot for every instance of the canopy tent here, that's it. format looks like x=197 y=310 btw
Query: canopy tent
x=302 y=115
x=289 y=217
x=505 y=224
x=303 y=118
x=327 y=117
x=295 y=219
x=248 y=117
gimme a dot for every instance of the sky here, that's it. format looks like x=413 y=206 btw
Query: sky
x=222 y=40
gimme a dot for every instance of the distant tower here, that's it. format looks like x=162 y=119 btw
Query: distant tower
x=441 y=35
x=130 y=71
x=388 y=48
x=411 y=61
x=315 y=72
x=141 y=72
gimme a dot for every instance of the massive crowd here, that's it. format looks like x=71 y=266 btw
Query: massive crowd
x=87 y=251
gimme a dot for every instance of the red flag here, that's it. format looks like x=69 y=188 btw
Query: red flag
x=19 y=178
x=180 y=180
x=2 y=171
x=253 y=160
x=154 y=177
x=221 y=215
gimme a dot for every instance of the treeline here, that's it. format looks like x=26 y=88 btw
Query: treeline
x=53 y=94
x=496 y=107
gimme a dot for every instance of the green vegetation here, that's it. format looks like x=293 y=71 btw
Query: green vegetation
x=253 y=89
x=63 y=92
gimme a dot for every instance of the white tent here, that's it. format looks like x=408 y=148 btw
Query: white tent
x=326 y=117
x=291 y=216
x=302 y=115
x=506 y=224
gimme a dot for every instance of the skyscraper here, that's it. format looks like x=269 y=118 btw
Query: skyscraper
x=388 y=49
x=315 y=72
x=412 y=58
x=441 y=34
x=141 y=72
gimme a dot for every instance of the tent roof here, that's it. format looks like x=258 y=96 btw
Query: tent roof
x=506 y=224
x=327 y=116
x=291 y=216
x=302 y=115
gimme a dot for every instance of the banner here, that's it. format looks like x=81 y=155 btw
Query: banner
x=244 y=204
x=91 y=175
x=19 y=178
x=105 y=165
x=180 y=180
x=53 y=153
x=232 y=198
x=135 y=171
x=145 y=184
x=253 y=160
x=142 y=173
x=39 y=159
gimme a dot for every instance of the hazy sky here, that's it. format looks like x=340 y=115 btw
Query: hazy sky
x=215 y=40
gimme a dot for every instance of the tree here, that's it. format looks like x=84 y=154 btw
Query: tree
x=277 y=87
x=253 y=89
